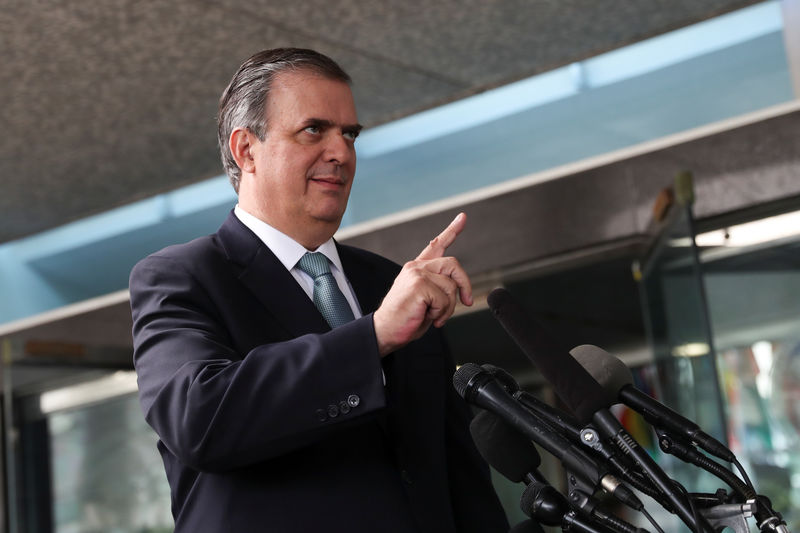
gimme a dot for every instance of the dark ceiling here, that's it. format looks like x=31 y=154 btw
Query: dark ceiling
x=109 y=102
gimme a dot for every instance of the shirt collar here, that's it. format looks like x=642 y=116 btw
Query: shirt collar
x=287 y=250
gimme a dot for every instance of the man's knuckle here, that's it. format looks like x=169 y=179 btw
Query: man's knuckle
x=452 y=262
x=417 y=283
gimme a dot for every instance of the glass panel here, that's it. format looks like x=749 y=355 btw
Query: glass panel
x=751 y=319
x=107 y=476
x=754 y=303
x=678 y=328
x=683 y=375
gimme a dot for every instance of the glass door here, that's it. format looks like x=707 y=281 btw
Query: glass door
x=722 y=312
x=752 y=276
x=679 y=330
x=84 y=460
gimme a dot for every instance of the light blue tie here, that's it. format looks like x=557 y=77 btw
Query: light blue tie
x=327 y=297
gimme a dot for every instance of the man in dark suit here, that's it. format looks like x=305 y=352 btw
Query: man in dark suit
x=300 y=392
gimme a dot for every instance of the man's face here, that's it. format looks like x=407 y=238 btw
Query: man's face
x=306 y=163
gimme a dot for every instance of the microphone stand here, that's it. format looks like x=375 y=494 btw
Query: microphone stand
x=580 y=496
x=722 y=515
x=690 y=455
x=622 y=465
x=610 y=428
x=548 y=506
x=767 y=519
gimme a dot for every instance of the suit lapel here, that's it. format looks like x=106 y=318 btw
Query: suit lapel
x=366 y=283
x=266 y=277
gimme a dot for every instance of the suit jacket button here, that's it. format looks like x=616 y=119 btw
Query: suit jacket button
x=344 y=407
x=406 y=477
x=333 y=411
x=321 y=415
x=353 y=400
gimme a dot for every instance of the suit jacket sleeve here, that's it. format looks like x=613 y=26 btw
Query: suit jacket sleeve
x=217 y=409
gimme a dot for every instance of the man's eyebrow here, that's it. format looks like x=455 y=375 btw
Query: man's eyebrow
x=353 y=128
x=325 y=123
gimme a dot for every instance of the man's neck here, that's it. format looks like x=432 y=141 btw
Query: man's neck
x=311 y=236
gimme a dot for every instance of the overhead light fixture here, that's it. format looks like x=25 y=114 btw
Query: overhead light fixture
x=119 y=383
x=752 y=233
x=691 y=349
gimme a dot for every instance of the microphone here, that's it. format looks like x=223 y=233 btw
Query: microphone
x=616 y=378
x=481 y=388
x=566 y=426
x=503 y=447
x=533 y=496
x=583 y=394
x=516 y=458
x=621 y=464
x=504 y=378
x=613 y=375
x=571 y=382
x=555 y=418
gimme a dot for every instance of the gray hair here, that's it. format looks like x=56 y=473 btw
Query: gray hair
x=243 y=103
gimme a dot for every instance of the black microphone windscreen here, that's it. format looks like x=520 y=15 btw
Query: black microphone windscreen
x=576 y=388
x=464 y=375
x=607 y=370
x=528 y=498
x=508 y=451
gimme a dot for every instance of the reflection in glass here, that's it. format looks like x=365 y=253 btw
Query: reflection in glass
x=742 y=287
x=107 y=476
x=754 y=303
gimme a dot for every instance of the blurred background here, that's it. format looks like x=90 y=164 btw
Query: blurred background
x=631 y=173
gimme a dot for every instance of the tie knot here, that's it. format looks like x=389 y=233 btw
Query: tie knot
x=315 y=264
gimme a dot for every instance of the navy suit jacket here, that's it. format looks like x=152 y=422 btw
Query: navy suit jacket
x=270 y=421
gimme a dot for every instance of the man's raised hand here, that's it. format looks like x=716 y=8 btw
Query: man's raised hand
x=424 y=293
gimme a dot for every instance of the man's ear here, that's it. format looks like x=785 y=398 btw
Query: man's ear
x=241 y=147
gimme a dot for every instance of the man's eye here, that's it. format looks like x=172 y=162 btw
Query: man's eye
x=350 y=135
x=314 y=130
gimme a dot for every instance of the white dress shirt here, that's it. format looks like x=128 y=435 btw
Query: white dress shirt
x=288 y=251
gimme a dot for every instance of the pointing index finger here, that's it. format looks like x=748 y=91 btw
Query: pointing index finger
x=437 y=247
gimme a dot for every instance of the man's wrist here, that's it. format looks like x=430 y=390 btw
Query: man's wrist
x=384 y=346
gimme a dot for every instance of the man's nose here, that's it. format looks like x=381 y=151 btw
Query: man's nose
x=338 y=149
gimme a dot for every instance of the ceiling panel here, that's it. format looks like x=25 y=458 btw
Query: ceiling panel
x=109 y=102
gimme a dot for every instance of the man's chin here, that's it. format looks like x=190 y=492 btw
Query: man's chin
x=329 y=218
x=329 y=214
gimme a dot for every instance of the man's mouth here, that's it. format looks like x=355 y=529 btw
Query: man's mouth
x=332 y=181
